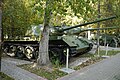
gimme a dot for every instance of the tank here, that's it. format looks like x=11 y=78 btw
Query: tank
x=111 y=40
x=60 y=39
x=71 y=39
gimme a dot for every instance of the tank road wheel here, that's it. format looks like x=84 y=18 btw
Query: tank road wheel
x=29 y=52
x=20 y=52
x=36 y=53
x=5 y=50
x=54 y=55
x=10 y=51
x=90 y=46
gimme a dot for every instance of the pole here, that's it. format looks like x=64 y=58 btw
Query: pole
x=98 y=26
x=67 y=58
x=106 y=50
x=89 y=35
x=67 y=70
x=105 y=39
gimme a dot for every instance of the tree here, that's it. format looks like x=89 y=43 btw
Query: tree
x=54 y=7
x=17 y=17
x=110 y=8
x=43 y=58
x=0 y=32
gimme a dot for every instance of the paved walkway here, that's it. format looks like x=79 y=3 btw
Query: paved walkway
x=9 y=67
x=108 y=69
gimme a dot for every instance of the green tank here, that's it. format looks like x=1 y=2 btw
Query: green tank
x=60 y=39
x=65 y=37
x=111 y=40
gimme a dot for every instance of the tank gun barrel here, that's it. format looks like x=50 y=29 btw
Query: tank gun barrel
x=92 y=29
x=100 y=20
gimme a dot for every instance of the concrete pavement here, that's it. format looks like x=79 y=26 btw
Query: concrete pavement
x=9 y=67
x=108 y=69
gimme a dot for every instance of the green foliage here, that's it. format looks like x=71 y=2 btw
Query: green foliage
x=110 y=8
x=71 y=12
x=68 y=12
x=5 y=77
x=116 y=7
x=37 y=9
x=16 y=17
x=19 y=15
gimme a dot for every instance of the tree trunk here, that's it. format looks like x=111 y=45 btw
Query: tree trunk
x=43 y=58
x=0 y=32
x=98 y=26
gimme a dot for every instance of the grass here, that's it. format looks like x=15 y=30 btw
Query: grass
x=50 y=75
x=109 y=53
x=89 y=62
x=94 y=58
x=5 y=77
x=101 y=53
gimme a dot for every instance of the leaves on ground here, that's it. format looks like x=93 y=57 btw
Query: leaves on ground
x=43 y=73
